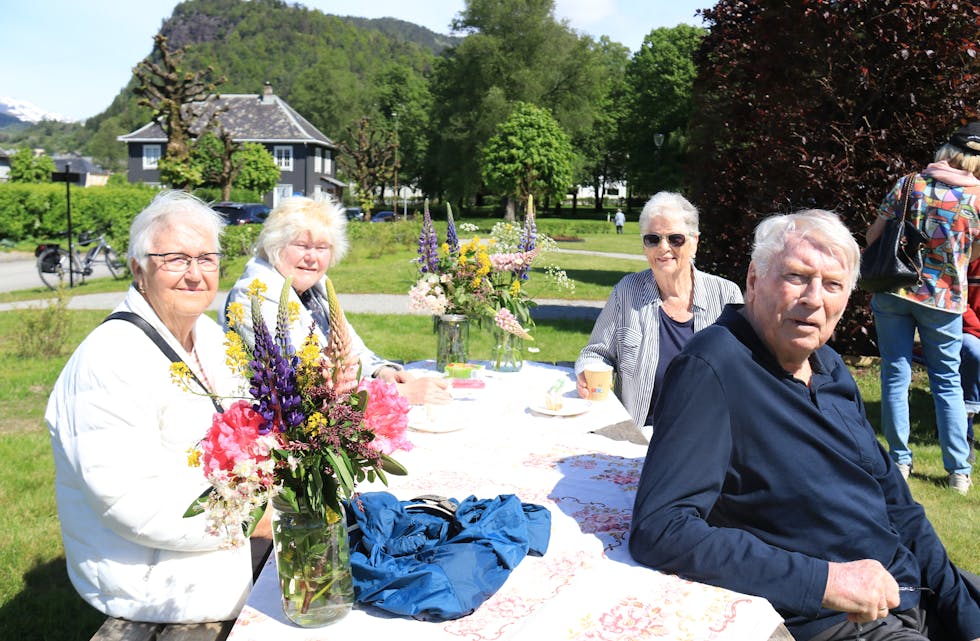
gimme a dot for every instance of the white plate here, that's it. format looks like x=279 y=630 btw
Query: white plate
x=422 y=420
x=570 y=407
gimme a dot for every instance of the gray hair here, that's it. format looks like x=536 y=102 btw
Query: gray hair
x=293 y=216
x=167 y=207
x=822 y=228
x=670 y=204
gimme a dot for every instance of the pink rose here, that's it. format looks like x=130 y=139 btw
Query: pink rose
x=386 y=416
x=232 y=438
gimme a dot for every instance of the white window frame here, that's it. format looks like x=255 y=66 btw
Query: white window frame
x=327 y=163
x=317 y=160
x=152 y=161
x=284 y=157
x=283 y=190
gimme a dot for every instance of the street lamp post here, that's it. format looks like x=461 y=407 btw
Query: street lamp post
x=394 y=116
x=658 y=140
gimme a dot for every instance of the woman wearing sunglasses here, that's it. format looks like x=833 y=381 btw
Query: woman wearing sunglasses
x=651 y=314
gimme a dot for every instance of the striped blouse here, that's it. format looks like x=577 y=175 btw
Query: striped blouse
x=627 y=333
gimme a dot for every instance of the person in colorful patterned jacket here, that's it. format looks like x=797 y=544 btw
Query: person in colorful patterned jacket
x=945 y=199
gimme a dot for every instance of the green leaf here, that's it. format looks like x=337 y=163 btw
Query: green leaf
x=257 y=514
x=197 y=506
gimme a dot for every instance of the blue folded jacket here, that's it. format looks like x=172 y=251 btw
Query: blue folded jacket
x=439 y=560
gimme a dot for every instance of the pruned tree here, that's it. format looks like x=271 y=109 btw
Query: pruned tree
x=821 y=103
x=368 y=160
x=177 y=98
x=528 y=154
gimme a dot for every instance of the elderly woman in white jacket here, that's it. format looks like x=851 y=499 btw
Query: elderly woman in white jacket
x=121 y=429
x=301 y=239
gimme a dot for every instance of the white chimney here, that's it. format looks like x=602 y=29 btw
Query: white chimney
x=267 y=94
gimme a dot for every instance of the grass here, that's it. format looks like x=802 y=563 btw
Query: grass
x=36 y=598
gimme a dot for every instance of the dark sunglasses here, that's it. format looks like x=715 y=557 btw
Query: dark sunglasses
x=674 y=240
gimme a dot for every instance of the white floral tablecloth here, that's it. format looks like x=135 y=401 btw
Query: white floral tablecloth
x=586 y=587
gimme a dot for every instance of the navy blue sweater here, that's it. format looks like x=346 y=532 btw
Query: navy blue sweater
x=754 y=481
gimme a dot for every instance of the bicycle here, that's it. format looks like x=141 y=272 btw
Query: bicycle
x=54 y=262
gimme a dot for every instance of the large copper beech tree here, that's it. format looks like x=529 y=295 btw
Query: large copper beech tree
x=822 y=103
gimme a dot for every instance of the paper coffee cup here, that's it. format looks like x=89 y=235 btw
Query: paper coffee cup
x=598 y=377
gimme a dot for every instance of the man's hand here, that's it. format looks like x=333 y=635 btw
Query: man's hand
x=864 y=589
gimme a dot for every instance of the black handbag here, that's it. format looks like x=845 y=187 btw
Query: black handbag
x=894 y=259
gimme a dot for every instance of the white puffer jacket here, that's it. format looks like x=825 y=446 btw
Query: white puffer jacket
x=120 y=431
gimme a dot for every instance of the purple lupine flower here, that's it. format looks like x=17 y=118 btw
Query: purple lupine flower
x=273 y=383
x=529 y=239
x=451 y=238
x=428 y=244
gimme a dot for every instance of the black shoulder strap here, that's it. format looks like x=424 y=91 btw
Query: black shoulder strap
x=168 y=351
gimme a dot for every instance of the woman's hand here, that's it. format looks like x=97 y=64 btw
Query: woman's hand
x=425 y=391
x=581 y=386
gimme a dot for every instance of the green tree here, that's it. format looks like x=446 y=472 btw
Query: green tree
x=603 y=153
x=25 y=167
x=660 y=77
x=873 y=88
x=514 y=51
x=257 y=169
x=225 y=163
x=529 y=154
x=368 y=161
x=176 y=98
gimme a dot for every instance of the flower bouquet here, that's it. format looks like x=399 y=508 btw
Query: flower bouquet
x=483 y=281
x=311 y=432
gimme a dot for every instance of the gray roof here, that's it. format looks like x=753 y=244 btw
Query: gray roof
x=79 y=164
x=248 y=117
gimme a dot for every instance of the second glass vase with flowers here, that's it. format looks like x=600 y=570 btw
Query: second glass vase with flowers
x=477 y=281
x=309 y=433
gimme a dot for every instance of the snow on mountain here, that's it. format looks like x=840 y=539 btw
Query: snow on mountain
x=28 y=112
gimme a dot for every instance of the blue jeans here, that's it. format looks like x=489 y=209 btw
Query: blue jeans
x=941 y=335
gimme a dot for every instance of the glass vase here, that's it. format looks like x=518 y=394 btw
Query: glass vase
x=453 y=340
x=313 y=559
x=506 y=351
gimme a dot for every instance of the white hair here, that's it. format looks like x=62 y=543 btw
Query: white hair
x=670 y=204
x=822 y=228
x=298 y=214
x=167 y=207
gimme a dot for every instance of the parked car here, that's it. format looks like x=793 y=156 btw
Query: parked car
x=383 y=217
x=354 y=213
x=242 y=213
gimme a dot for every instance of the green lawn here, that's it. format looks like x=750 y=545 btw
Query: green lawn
x=36 y=599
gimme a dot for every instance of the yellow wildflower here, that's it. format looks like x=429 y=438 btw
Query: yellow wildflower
x=256 y=288
x=180 y=373
x=236 y=314
x=292 y=311
x=236 y=356
x=194 y=457
x=515 y=288
x=315 y=423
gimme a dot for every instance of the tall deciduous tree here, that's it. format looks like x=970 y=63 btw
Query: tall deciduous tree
x=25 y=167
x=368 y=160
x=660 y=77
x=514 y=50
x=603 y=156
x=821 y=103
x=171 y=92
x=529 y=154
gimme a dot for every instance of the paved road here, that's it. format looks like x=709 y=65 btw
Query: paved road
x=18 y=272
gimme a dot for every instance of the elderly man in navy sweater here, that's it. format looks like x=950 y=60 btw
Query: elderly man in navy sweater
x=764 y=476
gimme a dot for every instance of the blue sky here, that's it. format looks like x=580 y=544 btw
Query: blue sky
x=72 y=57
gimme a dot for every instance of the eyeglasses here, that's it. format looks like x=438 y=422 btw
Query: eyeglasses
x=178 y=262
x=674 y=240
x=306 y=249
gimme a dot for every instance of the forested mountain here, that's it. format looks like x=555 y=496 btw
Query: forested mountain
x=332 y=69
